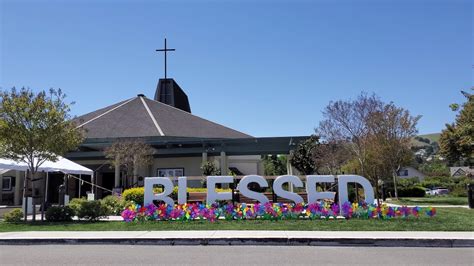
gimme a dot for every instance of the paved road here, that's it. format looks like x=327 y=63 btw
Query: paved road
x=230 y=255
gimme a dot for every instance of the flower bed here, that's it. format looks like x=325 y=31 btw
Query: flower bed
x=270 y=211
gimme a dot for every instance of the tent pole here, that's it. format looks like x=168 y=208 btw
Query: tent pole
x=45 y=190
x=92 y=181
x=47 y=184
x=80 y=184
x=25 y=201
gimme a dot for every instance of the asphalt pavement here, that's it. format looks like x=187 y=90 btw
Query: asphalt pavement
x=230 y=255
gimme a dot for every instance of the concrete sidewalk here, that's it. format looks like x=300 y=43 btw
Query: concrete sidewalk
x=284 y=238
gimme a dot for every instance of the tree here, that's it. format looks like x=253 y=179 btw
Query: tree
x=302 y=158
x=130 y=155
x=434 y=167
x=457 y=140
x=275 y=165
x=34 y=128
x=330 y=156
x=209 y=168
x=346 y=121
x=376 y=134
x=392 y=129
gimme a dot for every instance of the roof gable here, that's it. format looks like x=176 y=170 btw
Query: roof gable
x=142 y=117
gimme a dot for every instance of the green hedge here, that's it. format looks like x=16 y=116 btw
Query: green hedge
x=134 y=194
x=59 y=214
x=113 y=205
x=14 y=216
x=91 y=210
x=457 y=185
x=76 y=203
x=137 y=194
x=412 y=192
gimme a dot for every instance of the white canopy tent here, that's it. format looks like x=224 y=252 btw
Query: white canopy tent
x=61 y=165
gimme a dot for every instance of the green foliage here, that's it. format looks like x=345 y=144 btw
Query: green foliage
x=91 y=210
x=134 y=194
x=76 y=203
x=59 y=214
x=274 y=165
x=459 y=191
x=113 y=205
x=209 y=169
x=137 y=194
x=302 y=157
x=421 y=139
x=434 y=168
x=36 y=126
x=14 y=216
x=457 y=186
x=438 y=181
x=456 y=140
x=404 y=183
x=412 y=191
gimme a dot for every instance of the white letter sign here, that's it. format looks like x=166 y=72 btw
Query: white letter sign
x=313 y=194
x=150 y=196
x=290 y=179
x=342 y=186
x=243 y=187
x=182 y=193
x=212 y=195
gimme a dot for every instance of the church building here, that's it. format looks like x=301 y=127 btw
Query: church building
x=182 y=141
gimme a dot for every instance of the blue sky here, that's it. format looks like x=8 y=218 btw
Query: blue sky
x=266 y=68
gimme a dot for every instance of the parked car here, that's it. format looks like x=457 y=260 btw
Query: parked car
x=437 y=191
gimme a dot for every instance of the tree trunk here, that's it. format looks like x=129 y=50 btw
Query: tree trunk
x=25 y=196
x=377 y=192
x=32 y=177
x=43 y=198
x=395 y=185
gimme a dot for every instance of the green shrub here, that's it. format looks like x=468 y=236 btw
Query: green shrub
x=14 y=216
x=403 y=183
x=113 y=205
x=459 y=190
x=59 y=214
x=134 y=194
x=456 y=185
x=126 y=204
x=209 y=168
x=91 y=210
x=76 y=203
x=137 y=194
x=412 y=192
x=438 y=181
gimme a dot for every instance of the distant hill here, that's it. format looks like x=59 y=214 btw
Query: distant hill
x=434 y=137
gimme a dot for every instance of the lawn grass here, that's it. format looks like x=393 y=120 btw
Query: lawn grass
x=447 y=219
x=440 y=200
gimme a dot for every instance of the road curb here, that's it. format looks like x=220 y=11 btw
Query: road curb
x=246 y=241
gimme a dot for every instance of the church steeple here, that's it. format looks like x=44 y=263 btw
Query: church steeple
x=168 y=91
